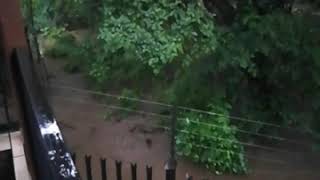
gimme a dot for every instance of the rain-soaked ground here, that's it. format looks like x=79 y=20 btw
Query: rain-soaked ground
x=90 y=128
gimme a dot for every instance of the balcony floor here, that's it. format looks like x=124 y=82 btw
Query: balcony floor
x=14 y=158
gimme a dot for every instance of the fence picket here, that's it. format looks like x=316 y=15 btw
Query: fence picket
x=149 y=172
x=170 y=172
x=88 y=167
x=118 y=169
x=103 y=168
x=133 y=171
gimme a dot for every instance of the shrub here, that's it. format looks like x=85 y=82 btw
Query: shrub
x=99 y=71
x=64 y=46
x=127 y=103
x=63 y=43
x=214 y=146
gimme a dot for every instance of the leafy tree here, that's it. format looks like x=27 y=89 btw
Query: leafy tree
x=158 y=33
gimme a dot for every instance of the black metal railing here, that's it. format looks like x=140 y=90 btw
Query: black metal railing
x=119 y=168
x=50 y=157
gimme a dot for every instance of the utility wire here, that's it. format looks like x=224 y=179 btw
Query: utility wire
x=240 y=154
x=218 y=149
x=234 y=141
x=253 y=133
x=224 y=150
x=242 y=143
x=169 y=105
x=208 y=124
x=278 y=150
x=180 y=119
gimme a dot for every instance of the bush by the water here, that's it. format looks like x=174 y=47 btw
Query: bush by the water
x=211 y=141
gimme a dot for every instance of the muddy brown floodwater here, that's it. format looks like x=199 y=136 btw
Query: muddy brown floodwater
x=134 y=139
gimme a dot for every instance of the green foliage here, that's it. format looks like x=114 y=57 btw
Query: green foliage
x=107 y=115
x=71 y=14
x=277 y=54
x=265 y=66
x=38 y=13
x=214 y=146
x=118 y=71
x=128 y=103
x=125 y=101
x=200 y=83
x=157 y=33
x=63 y=44
x=99 y=71
x=54 y=33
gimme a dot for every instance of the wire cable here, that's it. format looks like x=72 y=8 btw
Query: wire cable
x=169 y=105
x=245 y=155
x=220 y=150
x=255 y=134
x=168 y=117
x=180 y=119
x=224 y=150
x=278 y=150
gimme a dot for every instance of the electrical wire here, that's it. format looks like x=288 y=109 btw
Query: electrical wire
x=166 y=128
x=278 y=150
x=240 y=154
x=169 y=105
x=224 y=150
x=248 y=156
x=253 y=133
x=168 y=117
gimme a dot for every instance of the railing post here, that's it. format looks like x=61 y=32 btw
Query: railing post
x=118 y=169
x=88 y=167
x=103 y=169
x=171 y=164
x=149 y=172
x=133 y=171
